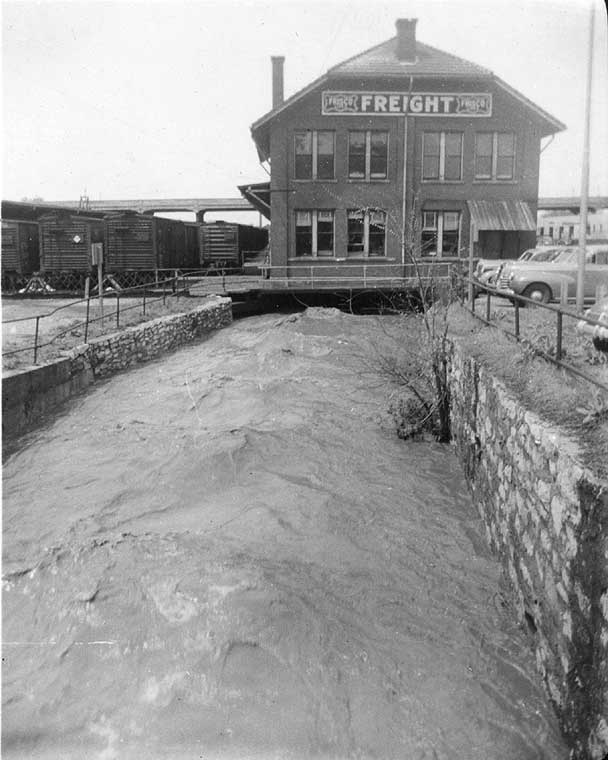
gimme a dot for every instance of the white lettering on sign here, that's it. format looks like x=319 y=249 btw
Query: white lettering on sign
x=463 y=104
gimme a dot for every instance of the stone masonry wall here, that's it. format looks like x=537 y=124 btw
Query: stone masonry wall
x=546 y=517
x=28 y=395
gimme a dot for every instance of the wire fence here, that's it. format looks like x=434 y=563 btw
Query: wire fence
x=555 y=337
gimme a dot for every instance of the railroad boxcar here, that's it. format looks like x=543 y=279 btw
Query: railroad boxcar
x=65 y=241
x=20 y=248
x=143 y=243
x=226 y=244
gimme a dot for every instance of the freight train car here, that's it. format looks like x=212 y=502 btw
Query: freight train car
x=20 y=252
x=65 y=247
x=139 y=247
x=226 y=245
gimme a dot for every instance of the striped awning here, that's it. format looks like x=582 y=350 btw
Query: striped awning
x=501 y=215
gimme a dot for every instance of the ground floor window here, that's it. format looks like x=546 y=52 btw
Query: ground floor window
x=315 y=232
x=366 y=230
x=440 y=233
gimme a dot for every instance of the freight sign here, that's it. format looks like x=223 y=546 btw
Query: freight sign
x=465 y=104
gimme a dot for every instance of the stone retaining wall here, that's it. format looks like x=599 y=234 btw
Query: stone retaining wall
x=27 y=396
x=547 y=518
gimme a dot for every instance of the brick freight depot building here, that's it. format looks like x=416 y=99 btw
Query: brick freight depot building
x=401 y=137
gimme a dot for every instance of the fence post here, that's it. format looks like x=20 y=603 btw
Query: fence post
x=86 y=324
x=516 y=305
x=164 y=294
x=117 y=309
x=144 y=301
x=488 y=300
x=558 y=347
x=36 y=340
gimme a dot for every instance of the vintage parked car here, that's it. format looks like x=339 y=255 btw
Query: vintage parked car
x=542 y=281
x=488 y=271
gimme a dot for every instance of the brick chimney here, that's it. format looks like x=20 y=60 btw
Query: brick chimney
x=277 y=80
x=406 y=39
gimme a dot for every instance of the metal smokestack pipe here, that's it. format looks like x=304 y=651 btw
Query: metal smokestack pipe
x=277 y=80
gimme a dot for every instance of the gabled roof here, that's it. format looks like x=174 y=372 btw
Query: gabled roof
x=381 y=61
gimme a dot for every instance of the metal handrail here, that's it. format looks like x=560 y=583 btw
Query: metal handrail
x=36 y=346
x=560 y=312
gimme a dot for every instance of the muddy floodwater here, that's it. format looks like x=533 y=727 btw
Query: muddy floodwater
x=229 y=554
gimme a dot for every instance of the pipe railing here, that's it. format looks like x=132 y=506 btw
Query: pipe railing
x=171 y=287
x=560 y=311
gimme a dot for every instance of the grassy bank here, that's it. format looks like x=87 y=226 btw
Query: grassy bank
x=564 y=400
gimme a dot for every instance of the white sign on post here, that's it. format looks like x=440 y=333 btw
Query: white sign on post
x=96 y=254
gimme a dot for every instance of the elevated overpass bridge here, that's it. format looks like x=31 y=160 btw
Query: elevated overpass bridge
x=572 y=203
x=200 y=206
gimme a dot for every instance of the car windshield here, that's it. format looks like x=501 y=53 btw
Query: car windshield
x=550 y=255
x=540 y=254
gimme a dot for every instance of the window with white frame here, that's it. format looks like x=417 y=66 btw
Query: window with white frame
x=314 y=232
x=366 y=232
x=314 y=154
x=442 y=156
x=440 y=233
x=495 y=155
x=368 y=155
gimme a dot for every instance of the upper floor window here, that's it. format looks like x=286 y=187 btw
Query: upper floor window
x=368 y=155
x=442 y=156
x=314 y=154
x=315 y=232
x=440 y=233
x=494 y=155
x=366 y=230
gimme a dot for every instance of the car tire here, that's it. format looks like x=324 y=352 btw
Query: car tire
x=538 y=291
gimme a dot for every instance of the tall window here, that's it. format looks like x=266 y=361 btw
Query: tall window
x=314 y=232
x=440 y=233
x=366 y=230
x=368 y=155
x=495 y=155
x=442 y=156
x=314 y=154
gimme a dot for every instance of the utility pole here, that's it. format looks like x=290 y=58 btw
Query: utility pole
x=582 y=236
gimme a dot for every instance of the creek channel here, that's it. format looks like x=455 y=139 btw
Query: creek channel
x=228 y=553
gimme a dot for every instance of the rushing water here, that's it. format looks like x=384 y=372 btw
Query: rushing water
x=229 y=554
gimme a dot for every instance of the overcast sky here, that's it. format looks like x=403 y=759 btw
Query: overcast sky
x=141 y=99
